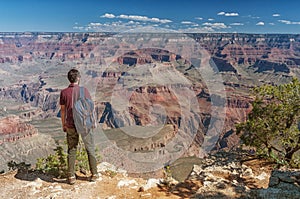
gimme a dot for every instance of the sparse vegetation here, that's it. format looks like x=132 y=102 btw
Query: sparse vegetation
x=12 y=165
x=110 y=173
x=273 y=125
x=56 y=164
x=168 y=178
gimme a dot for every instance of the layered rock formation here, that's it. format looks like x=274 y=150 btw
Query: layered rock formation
x=26 y=47
x=144 y=86
x=12 y=129
x=33 y=94
x=20 y=142
x=156 y=82
x=235 y=49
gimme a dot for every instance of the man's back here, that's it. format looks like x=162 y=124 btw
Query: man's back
x=67 y=98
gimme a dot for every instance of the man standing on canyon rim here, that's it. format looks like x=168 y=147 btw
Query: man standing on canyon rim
x=67 y=98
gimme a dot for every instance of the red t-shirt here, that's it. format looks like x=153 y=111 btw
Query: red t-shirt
x=67 y=97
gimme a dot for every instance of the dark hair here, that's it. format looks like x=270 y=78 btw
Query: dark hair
x=73 y=74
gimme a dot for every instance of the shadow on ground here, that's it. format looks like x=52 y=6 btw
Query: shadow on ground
x=24 y=172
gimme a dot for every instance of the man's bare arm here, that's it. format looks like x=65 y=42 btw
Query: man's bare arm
x=63 y=117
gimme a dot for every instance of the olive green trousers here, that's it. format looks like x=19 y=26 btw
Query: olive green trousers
x=72 y=141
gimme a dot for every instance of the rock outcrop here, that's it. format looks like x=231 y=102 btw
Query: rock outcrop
x=224 y=175
x=283 y=184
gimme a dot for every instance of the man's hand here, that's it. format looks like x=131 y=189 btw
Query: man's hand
x=64 y=128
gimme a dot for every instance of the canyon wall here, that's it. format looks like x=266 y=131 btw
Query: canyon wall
x=243 y=61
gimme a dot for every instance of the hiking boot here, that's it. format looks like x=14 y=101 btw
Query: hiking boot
x=71 y=180
x=94 y=177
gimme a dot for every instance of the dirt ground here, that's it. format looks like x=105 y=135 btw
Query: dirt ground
x=16 y=184
x=34 y=185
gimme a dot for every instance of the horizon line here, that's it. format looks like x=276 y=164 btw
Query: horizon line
x=111 y=32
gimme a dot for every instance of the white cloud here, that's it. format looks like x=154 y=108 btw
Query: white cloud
x=199 y=18
x=95 y=24
x=123 y=26
x=117 y=26
x=229 y=14
x=136 y=18
x=289 y=22
x=108 y=15
x=81 y=28
x=272 y=24
x=261 y=23
x=236 y=24
x=197 y=30
x=151 y=29
x=210 y=19
x=143 y=18
x=276 y=15
x=133 y=22
x=252 y=17
x=137 y=26
x=215 y=25
x=186 y=22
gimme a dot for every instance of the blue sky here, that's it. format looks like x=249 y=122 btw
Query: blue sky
x=255 y=16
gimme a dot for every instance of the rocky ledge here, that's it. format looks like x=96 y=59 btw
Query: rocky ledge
x=221 y=176
x=228 y=175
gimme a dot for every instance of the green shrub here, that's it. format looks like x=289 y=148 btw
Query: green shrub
x=273 y=125
x=22 y=166
x=56 y=164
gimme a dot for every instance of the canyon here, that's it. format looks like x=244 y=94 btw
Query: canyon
x=151 y=93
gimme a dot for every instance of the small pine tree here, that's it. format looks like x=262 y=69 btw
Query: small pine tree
x=56 y=164
x=273 y=125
